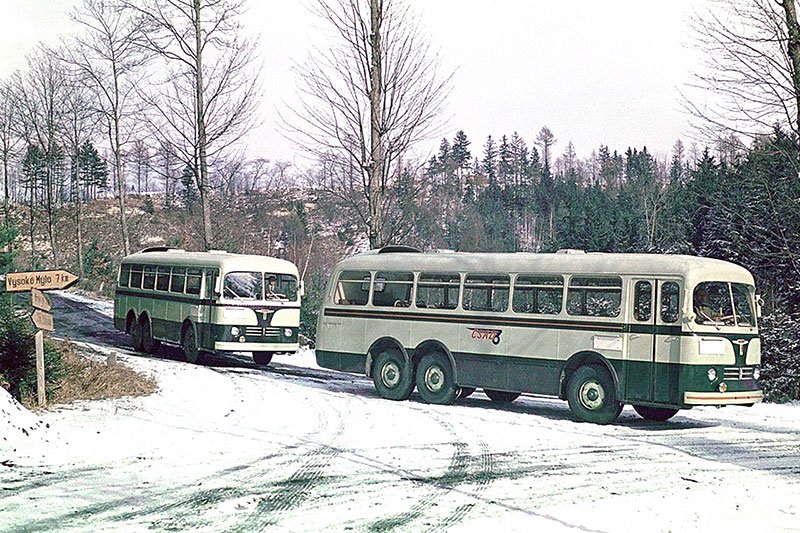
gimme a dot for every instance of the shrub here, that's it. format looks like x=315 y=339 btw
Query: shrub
x=18 y=355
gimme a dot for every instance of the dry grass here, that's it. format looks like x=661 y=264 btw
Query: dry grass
x=88 y=379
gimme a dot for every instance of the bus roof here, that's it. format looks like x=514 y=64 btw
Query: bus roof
x=225 y=261
x=693 y=269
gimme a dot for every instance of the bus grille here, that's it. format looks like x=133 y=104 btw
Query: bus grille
x=735 y=373
x=265 y=333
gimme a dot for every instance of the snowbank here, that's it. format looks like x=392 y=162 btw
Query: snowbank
x=19 y=427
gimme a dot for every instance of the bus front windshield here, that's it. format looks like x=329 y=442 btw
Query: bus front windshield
x=723 y=304
x=259 y=286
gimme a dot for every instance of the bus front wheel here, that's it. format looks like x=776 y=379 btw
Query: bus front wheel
x=435 y=379
x=262 y=358
x=393 y=376
x=656 y=414
x=191 y=348
x=592 y=396
x=501 y=396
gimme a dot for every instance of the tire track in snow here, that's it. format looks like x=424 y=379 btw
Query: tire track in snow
x=464 y=468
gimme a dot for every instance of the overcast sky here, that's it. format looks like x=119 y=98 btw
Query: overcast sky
x=594 y=72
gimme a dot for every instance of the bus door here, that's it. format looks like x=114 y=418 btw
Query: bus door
x=641 y=352
x=667 y=366
x=206 y=316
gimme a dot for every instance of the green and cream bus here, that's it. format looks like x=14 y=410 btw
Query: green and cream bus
x=598 y=330
x=208 y=302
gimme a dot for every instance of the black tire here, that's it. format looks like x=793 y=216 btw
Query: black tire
x=464 y=392
x=262 y=358
x=592 y=396
x=655 y=414
x=435 y=379
x=190 y=344
x=501 y=396
x=136 y=336
x=392 y=375
x=149 y=344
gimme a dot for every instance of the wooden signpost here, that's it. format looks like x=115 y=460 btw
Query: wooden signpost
x=36 y=282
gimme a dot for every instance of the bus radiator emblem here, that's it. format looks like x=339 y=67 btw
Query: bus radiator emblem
x=742 y=343
x=486 y=334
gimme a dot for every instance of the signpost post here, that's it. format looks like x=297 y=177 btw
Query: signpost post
x=36 y=282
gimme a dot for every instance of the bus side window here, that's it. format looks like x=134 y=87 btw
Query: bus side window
x=136 y=276
x=352 y=288
x=486 y=292
x=193 y=279
x=643 y=301
x=538 y=294
x=125 y=276
x=149 y=280
x=670 y=301
x=392 y=289
x=162 y=278
x=594 y=296
x=438 y=291
x=178 y=280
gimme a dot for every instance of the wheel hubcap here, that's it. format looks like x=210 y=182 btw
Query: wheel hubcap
x=434 y=379
x=592 y=395
x=390 y=374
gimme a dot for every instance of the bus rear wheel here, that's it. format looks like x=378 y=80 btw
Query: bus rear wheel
x=137 y=337
x=262 y=358
x=149 y=344
x=501 y=396
x=592 y=396
x=435 y=379
x=191 y=348
x=656 y=414
x=392 y=375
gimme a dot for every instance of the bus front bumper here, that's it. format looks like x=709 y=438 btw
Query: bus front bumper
x=256 y=346
x=722 y=398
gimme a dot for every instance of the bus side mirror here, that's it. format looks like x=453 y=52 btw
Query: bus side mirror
x=302 y=288
x=759 y=305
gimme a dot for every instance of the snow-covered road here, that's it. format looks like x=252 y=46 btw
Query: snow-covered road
x=230 y=446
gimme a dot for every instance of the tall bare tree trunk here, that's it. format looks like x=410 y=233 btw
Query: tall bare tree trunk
x=376 y=170
x=793 y=48
x=202 y=185
x=118 y=171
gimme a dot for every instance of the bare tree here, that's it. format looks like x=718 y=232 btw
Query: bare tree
x=366 y=101
x=80 y=120
x=9 y=142
x=107 y=57
x=209 y=96
x=752 y=70
x=39 y=98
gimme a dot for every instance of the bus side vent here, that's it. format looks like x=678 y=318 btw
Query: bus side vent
x=160 y=249
x=398 y=248
x=570 y=251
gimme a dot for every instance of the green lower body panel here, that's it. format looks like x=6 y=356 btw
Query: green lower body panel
x=346 y=362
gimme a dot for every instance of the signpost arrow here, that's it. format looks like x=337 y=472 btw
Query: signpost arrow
x=40 y=300
x=43 y=280
x=42 y=320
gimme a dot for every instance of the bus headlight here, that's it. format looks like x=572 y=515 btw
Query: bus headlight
x=723 y=387
x=756 y=373
x=287 y=332
x=234 y=331
x=712 y=374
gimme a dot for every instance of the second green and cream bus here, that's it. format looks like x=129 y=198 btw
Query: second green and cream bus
x=598 y=330
x=209 y=302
